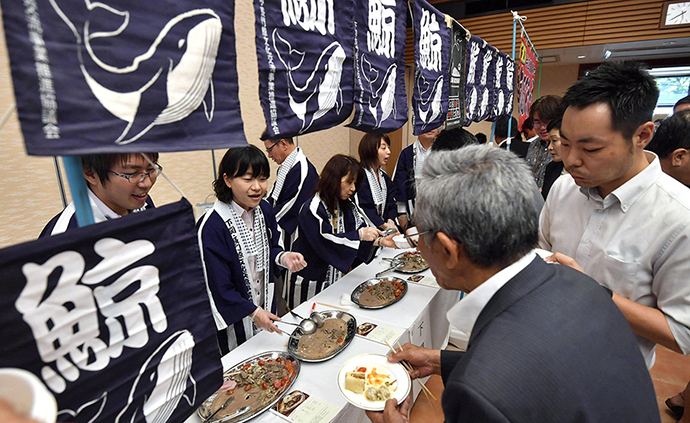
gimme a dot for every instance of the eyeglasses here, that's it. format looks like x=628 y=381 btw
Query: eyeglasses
x=268 y=150
x=135 y=178
x=417 y=234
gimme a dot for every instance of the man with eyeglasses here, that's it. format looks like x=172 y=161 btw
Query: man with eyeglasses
x=542 y=111
x=295 y=182
x=118 y=184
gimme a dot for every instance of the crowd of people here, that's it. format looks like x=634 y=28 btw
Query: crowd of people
x=594 y=184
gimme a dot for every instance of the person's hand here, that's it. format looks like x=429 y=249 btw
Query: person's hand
x=414 y=239
x=264 y=320
x=565 y=260
x=293 y=261
x=392 y=413
x=424 y=361
x=369 y=234
x=387 y=241
x=389 y=225
x=403 y=221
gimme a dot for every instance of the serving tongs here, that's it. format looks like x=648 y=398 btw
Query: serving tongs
x=395 y=265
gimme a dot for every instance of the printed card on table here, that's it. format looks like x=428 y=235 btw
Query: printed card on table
x=379 y=333
x=300 y=407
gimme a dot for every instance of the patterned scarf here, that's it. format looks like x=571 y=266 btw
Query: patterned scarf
x=283 y=170
x=378 y=189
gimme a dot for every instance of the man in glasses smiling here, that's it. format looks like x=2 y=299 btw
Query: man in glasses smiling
x=118 y=184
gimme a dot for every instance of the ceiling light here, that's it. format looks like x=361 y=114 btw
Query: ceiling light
x=581 y=57
x=607 y=54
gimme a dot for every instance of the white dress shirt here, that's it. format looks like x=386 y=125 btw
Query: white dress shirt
x=636 y=241
x=464 y=314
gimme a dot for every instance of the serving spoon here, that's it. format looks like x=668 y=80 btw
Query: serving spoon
x=308 y=326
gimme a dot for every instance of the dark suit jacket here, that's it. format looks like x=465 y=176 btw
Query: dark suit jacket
x=550 y=346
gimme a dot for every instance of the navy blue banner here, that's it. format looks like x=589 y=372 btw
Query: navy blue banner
x=380 y=34
x=305 y=55
x=456 y=89
x=479 y=88
x=504 y=85
x=130 y=77
x=431 y=60
x=114 y=318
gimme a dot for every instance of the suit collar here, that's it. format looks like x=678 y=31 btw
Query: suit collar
x=533 y=276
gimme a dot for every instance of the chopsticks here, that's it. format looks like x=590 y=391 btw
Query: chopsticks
x=409 y=368
x=333 y=306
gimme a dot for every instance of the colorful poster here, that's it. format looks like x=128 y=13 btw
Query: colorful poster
x=128 y=77
x=432 y=60
x=380 y=33
x=114 y=318
x=479 y=86
x=456 y=89
x=527 y=70
x=306 y=65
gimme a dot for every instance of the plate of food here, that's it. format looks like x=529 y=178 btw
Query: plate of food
x=369 y=380
x=334 y=336
x=250 y=387
x=379 y=292
x=410 y=262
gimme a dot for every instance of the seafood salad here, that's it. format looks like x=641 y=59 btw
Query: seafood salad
x=324 y=341
x=412 y=262
x=384 y=292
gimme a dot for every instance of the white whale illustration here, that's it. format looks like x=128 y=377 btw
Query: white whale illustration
x=185 y=75
x=432 y=102
x=329 y=94
x=382 y=97
x=171 y=376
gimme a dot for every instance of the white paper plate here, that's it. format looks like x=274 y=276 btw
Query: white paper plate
x=27 y=395
x=396 y=370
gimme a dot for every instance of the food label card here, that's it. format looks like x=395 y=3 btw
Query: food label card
x=424 y=280
x=379 y=333
x=300 y=407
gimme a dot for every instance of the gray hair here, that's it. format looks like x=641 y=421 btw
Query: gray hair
x=482 y=197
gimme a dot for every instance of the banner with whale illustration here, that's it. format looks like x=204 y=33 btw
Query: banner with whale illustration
x=129 y=76
x=113 y=318
x=480 y=79
x=527 y=71
x=456 y=86
x=504 y=82
x=305 y=55
x=431 y=60
x=380 y=34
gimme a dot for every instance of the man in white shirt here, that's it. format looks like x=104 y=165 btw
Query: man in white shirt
x=410 y=162
x=617 y=217
x=117 y=184
x=537 y=351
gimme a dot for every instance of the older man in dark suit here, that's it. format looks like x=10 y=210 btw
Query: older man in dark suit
x=546 y=343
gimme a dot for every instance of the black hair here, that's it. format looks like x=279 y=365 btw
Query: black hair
x=481 y=137
x=369 y=149
x=501 y=130
x=630 y=92
x=266 y=137
x=527 y=125
x=548 y=107
x=336 y=169
x=237 y=162
x=556 y=123
x=101 y=163
x=452 y=139
x=684 y=100
x=672 y=134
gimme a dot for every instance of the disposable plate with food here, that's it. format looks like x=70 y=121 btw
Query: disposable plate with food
x=250 y=388
x=367 y=381
x=379 y=292
x=330 y=339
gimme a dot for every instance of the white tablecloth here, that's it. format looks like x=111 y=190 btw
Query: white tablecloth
x=421 y=315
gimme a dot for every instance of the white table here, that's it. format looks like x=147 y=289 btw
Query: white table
x=420 y=314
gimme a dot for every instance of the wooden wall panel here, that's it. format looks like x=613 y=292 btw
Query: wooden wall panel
x=580 y=24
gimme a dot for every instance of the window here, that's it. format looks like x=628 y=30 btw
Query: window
x=674 y=84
